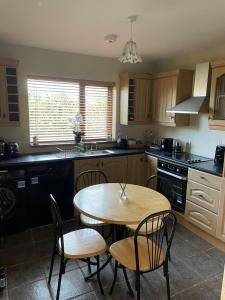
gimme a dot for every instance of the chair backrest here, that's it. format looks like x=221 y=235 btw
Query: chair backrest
x=159 y=241
x=161 y=185
x=57 y=223
x=88 y=178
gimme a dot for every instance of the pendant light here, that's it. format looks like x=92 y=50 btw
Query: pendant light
x=130 y=52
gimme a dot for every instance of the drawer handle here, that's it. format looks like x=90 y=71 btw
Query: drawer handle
x=201 y=196
x=202 y=177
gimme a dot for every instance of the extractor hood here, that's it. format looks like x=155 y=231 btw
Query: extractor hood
x=200 y=92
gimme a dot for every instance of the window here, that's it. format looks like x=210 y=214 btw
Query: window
x=53 y=102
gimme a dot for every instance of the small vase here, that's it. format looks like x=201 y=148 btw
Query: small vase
x=77 y=138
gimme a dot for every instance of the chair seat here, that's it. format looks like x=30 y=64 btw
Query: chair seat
x=123 y=251
x=151 y=227
x=90 y=221
x=83 y=243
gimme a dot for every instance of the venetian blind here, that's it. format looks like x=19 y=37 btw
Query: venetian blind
x=52 y=103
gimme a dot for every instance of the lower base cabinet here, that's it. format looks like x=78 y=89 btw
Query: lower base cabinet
x=201 y=217
x=136 y=171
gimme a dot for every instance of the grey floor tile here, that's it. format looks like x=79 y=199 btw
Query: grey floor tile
x=4 y=294
x=24 y=273
x=42 y=232
x=34 y=291
x=216 y=254
x=197 y=292
x=205 y=265
x=88 y=296
x=215 y=284
x=181 y=275
x=182 y=248
x=73 y=284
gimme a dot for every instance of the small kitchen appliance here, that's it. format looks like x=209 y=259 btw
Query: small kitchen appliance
x=166 y=145
x=177 y=146
x=219 y=155
x=121 y=143
x=11 y=150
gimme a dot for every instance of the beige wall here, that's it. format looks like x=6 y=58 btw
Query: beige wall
x=203 y=141
x=33 y=61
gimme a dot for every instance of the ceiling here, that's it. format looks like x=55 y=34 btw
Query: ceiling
x=165 y=28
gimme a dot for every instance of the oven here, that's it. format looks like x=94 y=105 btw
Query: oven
x=176 y=175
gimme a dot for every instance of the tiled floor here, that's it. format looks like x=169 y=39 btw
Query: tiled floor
x=195 y=271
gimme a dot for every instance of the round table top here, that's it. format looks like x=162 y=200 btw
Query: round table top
x=102 y=202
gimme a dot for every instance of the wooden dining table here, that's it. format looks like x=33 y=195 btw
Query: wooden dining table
x=103 y=202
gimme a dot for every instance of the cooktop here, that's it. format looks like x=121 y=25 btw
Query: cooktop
x=186 y=157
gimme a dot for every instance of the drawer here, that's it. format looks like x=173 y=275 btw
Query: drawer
x=201 y=217
x=203 y=196
x=205 y=178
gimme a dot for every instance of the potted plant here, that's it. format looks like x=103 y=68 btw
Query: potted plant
x=76 y=122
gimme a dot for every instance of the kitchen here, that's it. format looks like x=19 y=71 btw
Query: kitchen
x=37 y=60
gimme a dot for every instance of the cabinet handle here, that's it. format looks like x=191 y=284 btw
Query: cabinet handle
x=202 y=177
x=4 y=115
x=97 y=165
x=102 y=163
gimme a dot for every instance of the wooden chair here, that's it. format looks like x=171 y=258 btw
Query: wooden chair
x=80 y=244
x=143 y=253
x=85 y=179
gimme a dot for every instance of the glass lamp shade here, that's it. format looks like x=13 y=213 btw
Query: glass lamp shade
x=130 y=53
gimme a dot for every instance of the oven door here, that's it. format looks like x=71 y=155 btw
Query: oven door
x=179 y=187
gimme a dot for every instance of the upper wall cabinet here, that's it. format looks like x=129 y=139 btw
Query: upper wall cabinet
x=9 y=103
x=217 y=96
x=169 y=89
x=135 y=98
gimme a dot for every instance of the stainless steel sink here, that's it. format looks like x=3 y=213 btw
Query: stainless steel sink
x=98 y=152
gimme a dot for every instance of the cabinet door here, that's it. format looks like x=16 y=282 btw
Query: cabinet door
x=85 y=165
x=201 y=217
x=115 y=168
x=163 y=98
x=143 y=99
x=220 y=232
x=217 y=99
x=136 y=170
x=3 y=113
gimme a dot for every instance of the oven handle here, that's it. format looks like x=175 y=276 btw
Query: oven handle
x=172 y=175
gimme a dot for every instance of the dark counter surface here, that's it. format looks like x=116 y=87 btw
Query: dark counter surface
x=31 y=159
x=206 y=166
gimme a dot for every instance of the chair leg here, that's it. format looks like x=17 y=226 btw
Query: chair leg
x=89 y=265
x=52 y=263
x=128 y=283
x=98 y=276
x=61 y=271
x=167 y=241
x=138 y=285
x=166 y=274
x=114 y=279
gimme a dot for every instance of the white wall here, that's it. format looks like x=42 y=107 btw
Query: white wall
x=34 y=61
x=203 y=141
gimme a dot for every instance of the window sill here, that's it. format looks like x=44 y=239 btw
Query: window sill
x=43 y=145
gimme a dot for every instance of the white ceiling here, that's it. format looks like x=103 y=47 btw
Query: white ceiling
x=164 y=28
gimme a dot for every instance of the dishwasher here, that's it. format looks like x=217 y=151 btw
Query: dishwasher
x=50 y=178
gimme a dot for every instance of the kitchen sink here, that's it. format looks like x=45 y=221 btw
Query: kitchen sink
x=98 y=152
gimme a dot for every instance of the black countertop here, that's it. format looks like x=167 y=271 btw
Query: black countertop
x=35 y=159
x=206 y=166
x=32 y=159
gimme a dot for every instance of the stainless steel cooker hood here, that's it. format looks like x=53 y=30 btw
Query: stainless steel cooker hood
x=201 y=88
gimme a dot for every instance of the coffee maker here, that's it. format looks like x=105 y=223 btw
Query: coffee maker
x=219 y=155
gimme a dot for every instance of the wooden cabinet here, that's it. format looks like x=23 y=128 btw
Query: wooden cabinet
x=169 y=89
x=205 y=202
x=115 y=167
x=217 y=96
x=135 y=98
x=140 y=168
x=201 y=217
x=136 y=171
x=9 y=103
